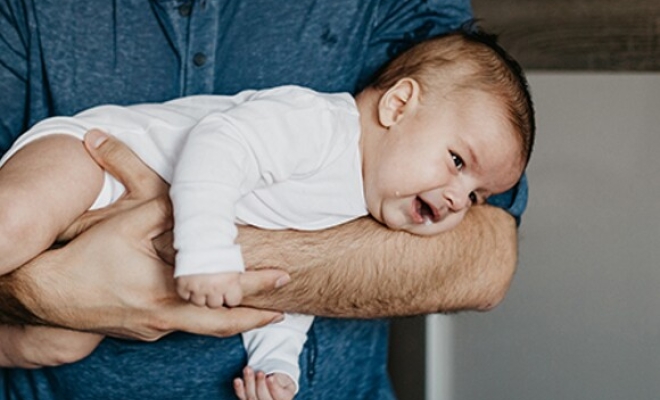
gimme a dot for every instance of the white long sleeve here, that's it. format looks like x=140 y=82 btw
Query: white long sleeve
x=254 y=163
x=214 y=170
x=277 y=347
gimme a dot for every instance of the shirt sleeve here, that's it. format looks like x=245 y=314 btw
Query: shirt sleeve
x=514 y=201
x=13 y=73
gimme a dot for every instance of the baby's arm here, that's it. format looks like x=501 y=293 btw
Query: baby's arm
x=262 y=142
x=273 y=351
x=209 y=178
x=225 y=157
x=276 y=348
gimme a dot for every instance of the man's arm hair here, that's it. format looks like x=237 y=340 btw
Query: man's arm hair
x=12 y=311
x=362 y=269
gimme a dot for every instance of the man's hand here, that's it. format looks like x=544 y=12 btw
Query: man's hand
x=110 y=280
x=141 y=183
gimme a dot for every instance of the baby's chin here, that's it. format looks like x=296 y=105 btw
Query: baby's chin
x=429 y=228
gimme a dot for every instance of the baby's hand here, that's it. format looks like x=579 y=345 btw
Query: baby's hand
x=211 y=290
x=258 y=386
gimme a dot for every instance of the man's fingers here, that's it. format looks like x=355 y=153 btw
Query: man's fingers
x=255 y=282
x=220 y=322
x=80 y=225
x=160 y=216
x=164 y=245
x=141 y=183
x=146 y=220
x=116 y=158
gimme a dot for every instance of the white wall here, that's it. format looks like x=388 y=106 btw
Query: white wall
x=582 y=319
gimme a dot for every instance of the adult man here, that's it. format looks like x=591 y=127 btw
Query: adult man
x=63 y=57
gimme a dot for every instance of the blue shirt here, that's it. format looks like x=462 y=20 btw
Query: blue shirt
x=60 y=57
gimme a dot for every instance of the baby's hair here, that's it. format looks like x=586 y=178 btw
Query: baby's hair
x=467 y=59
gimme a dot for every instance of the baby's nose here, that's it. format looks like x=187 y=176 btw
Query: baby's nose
x=458 y=198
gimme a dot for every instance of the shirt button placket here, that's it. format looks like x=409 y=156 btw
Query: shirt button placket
x=202 y=43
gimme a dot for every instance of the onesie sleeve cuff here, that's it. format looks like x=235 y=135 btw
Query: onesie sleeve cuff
x=193 y=262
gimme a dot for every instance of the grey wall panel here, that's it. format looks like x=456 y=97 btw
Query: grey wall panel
x=582 y=319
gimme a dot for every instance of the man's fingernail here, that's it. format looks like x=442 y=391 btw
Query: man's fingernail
x=96 y=138
x=282 y=281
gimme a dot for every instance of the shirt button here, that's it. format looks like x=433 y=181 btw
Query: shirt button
x=185 y=9
x=199 y=59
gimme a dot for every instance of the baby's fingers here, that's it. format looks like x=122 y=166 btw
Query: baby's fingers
x=239 y=389
x=280 y=387
x=246 y=388
x=263 y=393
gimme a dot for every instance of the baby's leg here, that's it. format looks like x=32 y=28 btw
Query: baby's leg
x=43 y=188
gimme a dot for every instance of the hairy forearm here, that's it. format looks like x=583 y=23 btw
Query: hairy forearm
x=364 y=270
x=13 y=292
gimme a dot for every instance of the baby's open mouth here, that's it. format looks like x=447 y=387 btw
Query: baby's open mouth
x=424 y=212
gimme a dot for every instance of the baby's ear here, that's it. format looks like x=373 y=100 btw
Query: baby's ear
x=397 y=100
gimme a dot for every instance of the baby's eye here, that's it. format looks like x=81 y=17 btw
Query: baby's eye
x=458 y=161
x=473 y=198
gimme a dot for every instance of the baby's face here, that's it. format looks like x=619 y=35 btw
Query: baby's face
x=438 y=160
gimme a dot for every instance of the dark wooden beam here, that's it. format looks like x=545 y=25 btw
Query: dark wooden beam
x=603 y=35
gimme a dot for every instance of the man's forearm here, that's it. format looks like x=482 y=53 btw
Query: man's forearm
x=12 y=310
x=359 y=269
x=364 y=270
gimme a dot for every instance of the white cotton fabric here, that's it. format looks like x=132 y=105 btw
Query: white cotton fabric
x=276 y=159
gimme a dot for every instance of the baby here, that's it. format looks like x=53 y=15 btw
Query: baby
x=444 y=126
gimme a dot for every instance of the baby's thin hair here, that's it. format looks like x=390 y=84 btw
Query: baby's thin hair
x=467 y=58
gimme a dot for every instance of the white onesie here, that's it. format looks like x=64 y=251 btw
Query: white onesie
x=281 y=158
